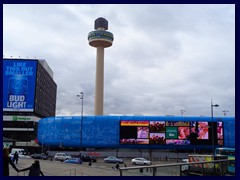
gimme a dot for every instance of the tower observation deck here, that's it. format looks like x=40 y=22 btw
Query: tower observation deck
x=100 y=39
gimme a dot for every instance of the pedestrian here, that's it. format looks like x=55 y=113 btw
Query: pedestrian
x=16 y=156
x=90 y=163
x=80 y=158
x=34 y=169
x=6 y=161
x=47 y=152
x=117 y=165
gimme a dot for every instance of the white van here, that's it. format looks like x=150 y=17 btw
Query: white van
x=20 y=152
x=61 y=157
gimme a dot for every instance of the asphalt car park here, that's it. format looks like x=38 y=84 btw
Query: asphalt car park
x=58 y=168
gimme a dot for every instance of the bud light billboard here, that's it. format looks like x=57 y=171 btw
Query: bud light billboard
x=19 y=78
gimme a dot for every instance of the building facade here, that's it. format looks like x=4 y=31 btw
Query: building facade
x=137 y=132
x=29 y=94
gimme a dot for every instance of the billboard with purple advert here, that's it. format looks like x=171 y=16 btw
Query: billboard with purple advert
x=19 y=78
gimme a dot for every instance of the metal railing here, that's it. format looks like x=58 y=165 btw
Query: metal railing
x=209 y=168
x=73 y=172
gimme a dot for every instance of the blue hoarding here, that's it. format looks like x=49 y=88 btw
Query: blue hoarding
x=19 y=78
x=118 y=131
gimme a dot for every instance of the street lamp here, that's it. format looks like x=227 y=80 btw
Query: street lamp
x=213 y=144
x=27 y=139
x=81 y=97
x=42 y=143
x=182 y=111
x=225 y=112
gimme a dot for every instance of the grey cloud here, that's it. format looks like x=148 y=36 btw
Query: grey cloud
x=164 y=58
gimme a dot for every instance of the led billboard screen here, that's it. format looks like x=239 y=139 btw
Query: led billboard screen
x=169 y=132
x=19 y=78
x=134 y=132
x=220 y=133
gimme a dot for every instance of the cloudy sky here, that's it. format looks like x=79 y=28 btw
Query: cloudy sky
x=164 y=58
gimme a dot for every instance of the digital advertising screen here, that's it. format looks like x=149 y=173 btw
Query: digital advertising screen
x=134 y=132
x=157 y=138
x=177 y=142
x=170 y=132
x=220 y=133
x=157 y=126
x=201 y=129
x=19 y=78
x=183 y=132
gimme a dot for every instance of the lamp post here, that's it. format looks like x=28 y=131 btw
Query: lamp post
x=42 y=143
x=225 y=112
x=81 y=97
x=182 y=111
x=213 y=144
x=27 y=139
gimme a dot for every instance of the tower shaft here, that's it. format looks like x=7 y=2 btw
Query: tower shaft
x=99 y=83
x=100 y=39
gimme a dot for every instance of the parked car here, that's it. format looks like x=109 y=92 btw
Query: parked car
x=39 y=156
x=73 y=160
x=61 y=157
x=112 y=159
x=86 y=158
x=140 y=161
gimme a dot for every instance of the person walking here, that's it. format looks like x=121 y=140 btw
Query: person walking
x=34 y=169
x=116 y=166
x=80 y=158
x=16 y=156
x=6 y=161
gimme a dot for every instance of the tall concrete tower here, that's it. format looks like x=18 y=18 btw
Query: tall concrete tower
x=100 y=39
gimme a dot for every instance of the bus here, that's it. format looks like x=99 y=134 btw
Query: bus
x=230 y=152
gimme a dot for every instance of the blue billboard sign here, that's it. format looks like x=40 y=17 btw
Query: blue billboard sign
x=19 y=78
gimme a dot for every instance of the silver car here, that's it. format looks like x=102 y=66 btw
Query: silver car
x=61 y=157
x=112 y=159
x=140 y=161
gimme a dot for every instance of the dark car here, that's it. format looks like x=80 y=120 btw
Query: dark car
x=87 y=158
x=39 y=156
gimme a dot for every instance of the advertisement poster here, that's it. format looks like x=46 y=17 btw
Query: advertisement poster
x=171 y=132
x=19 y=78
